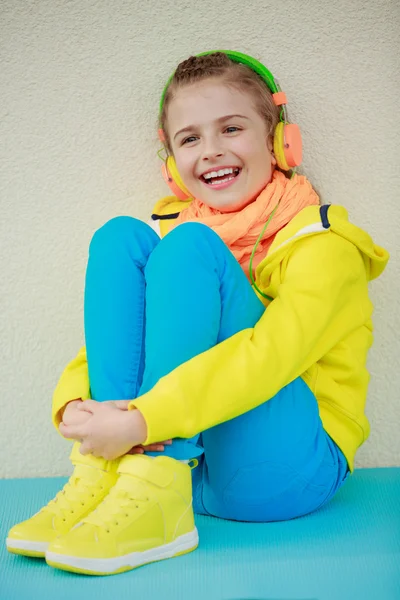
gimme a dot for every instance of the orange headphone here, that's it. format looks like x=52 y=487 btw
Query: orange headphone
x=287 y=136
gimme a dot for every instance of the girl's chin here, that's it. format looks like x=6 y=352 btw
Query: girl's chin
x=225 y=206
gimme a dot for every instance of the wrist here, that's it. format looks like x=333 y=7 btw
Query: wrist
x=138 y=425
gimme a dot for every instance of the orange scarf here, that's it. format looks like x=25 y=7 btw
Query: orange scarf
x=240 y=230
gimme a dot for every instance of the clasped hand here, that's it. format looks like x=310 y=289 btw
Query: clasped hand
x=106 y=429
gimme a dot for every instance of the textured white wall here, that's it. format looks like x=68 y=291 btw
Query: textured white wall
x=80 y=89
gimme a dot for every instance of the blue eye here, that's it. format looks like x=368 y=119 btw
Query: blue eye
x=188 y=138
x=232 y=127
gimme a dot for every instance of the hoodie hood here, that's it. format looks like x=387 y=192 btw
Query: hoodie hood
x=331 y=217
x=375 y=257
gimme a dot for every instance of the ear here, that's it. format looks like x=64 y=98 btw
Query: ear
x=270 y=144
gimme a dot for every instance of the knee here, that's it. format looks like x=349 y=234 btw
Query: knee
x=191 y=234
x=117 y=229
x=121 y=232
x=188 y=246
x=188 y=237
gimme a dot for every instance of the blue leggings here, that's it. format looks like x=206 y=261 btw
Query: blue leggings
x=151 y=305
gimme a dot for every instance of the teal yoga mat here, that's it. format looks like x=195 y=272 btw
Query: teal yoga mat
x=348 y=550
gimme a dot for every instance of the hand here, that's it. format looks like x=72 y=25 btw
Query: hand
x=110 y=431
x=157 y=447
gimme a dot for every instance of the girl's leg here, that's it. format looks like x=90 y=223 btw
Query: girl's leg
x=114 y=307
x=115 y=319
x=274 y=462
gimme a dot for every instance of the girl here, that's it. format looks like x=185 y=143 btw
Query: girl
x=242 y=336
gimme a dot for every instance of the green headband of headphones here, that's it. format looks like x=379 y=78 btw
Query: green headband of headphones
x=239 y=58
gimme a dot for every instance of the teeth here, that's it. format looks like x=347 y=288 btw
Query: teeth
x=221 y=181
x=219 y=173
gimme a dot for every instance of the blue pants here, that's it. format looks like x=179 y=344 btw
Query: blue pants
x=151 y=305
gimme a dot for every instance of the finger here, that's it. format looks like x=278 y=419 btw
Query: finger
x=61 y=429
x=122 y=404
x=136 y=450
x=74 y=418
x=167 y=443
x=71 y=432
x=98 y=454
x=85 y=448
x=154 y=448
x=87 y=405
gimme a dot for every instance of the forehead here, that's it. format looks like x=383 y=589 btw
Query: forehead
x=207 y=100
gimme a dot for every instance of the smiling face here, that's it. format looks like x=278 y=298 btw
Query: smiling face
x=213 y=140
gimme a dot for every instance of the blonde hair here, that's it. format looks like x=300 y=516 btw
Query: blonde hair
x=235 y=75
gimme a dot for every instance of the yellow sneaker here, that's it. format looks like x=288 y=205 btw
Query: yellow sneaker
x=90 y=482
x=147 y=516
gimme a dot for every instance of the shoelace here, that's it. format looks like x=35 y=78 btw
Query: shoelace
x=117 y=505
x=73 y=492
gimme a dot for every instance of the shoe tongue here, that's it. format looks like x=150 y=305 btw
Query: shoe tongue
x=92 y=461
x=87 y=473
x=147 y=469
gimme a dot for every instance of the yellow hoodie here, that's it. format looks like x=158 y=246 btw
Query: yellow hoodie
x=318 y=327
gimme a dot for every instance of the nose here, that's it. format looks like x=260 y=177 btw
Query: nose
x=212 y=149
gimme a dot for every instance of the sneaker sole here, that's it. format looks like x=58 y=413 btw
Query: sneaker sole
x=111 y=566
x=27 y=548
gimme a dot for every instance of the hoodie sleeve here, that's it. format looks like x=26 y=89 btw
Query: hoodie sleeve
x=72 y=385
x=317 y=304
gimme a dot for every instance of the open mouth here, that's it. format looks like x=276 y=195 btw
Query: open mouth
x=220 y=179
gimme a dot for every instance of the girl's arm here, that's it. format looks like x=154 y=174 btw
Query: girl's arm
x=72 y=385
x=321 y=299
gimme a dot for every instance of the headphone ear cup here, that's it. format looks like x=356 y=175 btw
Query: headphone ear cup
x=293 y=146
x=287 y=146
x=173 y=179
x=278 y=148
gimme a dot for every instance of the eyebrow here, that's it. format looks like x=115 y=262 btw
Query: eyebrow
x=220 y=120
